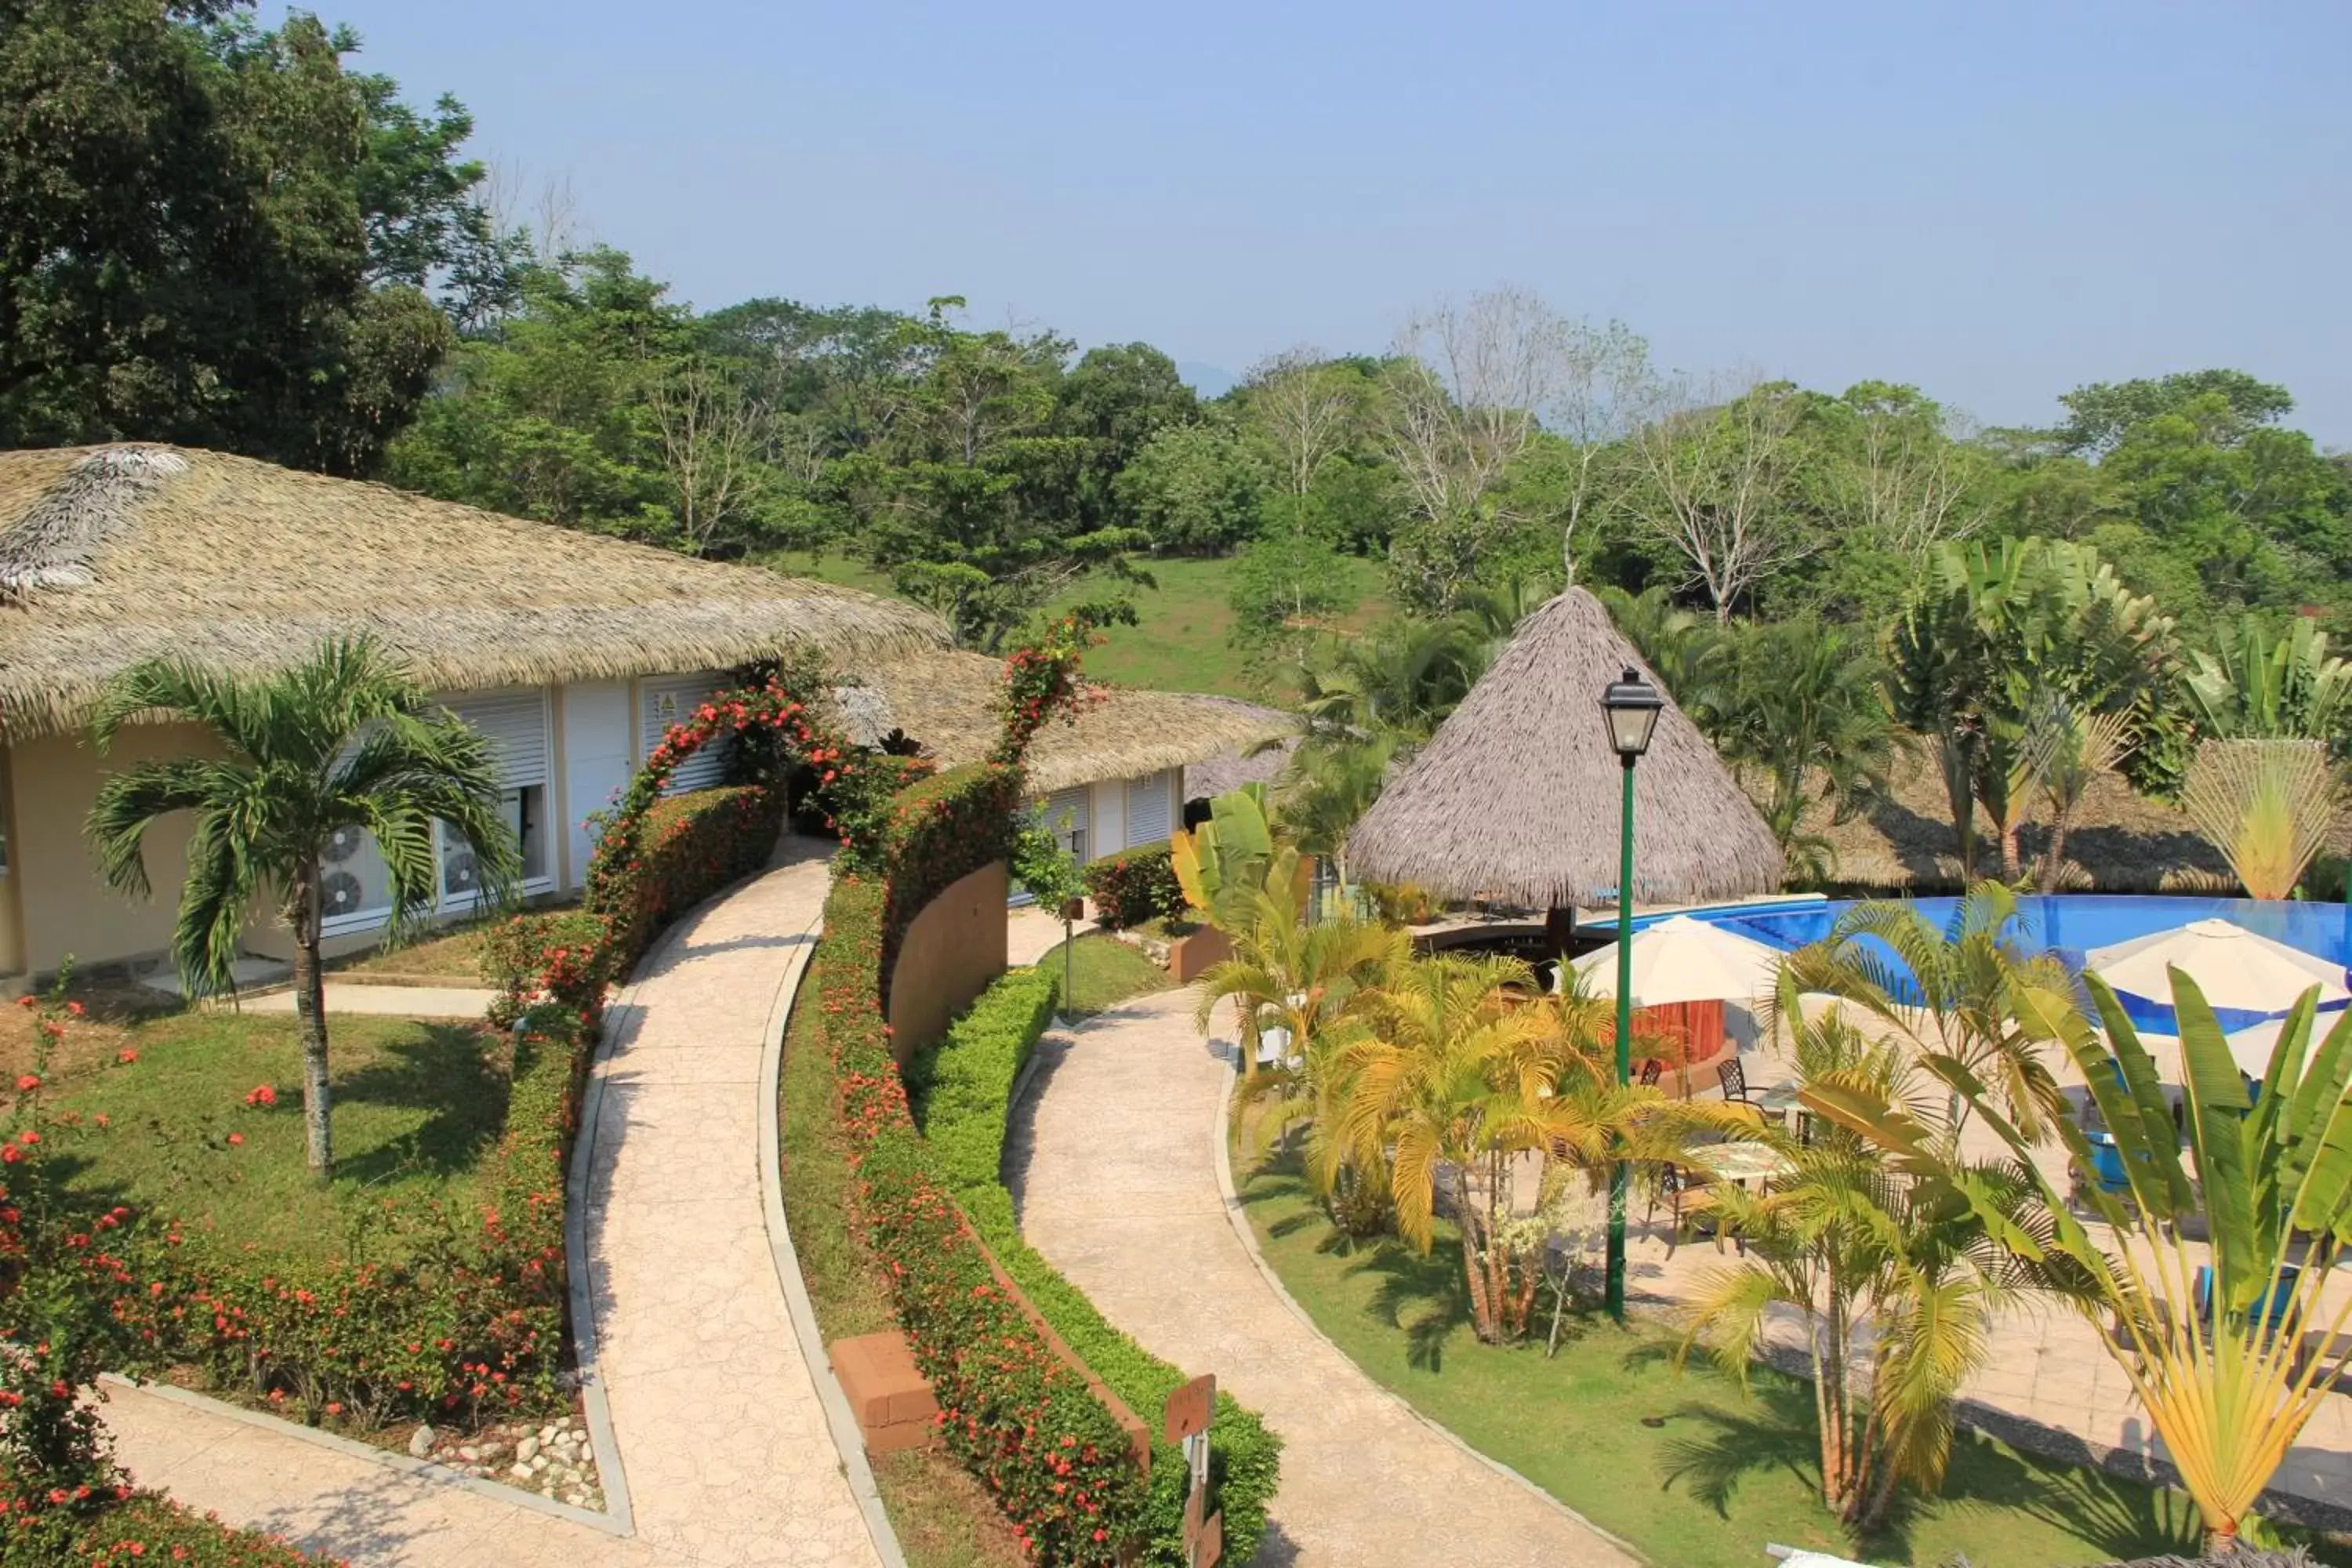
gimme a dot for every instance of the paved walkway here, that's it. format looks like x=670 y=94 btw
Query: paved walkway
x=728 y=1456
x=388 y=1001
x=1115 y=1157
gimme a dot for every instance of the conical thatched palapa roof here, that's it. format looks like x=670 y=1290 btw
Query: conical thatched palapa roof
x=112 y=554
x=1516 y=798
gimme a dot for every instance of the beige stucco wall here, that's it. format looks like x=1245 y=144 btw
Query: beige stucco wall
x=954 y=948
x=65 y=908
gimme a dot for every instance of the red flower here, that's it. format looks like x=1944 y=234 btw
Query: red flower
x=263 y=1095
x=126 y=1055
x=236 y=1138
x=29 y=1082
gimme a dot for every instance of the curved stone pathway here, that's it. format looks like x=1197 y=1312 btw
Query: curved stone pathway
x=1115 y=1160
x=722 y=1439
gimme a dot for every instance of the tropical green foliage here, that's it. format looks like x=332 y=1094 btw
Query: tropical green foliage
x=2216 y=1243
x=1882 y=1271
x=345 y=743
x=1451 y=1073
x=220 y=234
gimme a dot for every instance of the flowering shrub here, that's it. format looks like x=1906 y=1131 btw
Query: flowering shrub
x=685 y=848
x=962 y=1092
x=66 y=1274
x=1134 y=886
x=148 y=1529
x=562 y=960
x=1026 y=1422
x=940 y=831
x=1042 y=680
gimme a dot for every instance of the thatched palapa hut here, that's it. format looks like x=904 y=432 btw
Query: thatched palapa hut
x=1116 y=776
x=1516 y=798
x=572 y=651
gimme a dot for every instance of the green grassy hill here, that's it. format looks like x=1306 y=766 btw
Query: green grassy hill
x=1179 y=643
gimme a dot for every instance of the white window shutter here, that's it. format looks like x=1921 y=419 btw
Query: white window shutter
x=1066 y=816
x=1146 y=809
x=515 y=723
x=672 y=700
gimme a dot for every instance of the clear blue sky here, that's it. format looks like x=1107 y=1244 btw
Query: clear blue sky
x=1997 y=202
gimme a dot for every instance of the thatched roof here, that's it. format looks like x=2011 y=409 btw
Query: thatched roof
x=2119 y=842
x=112 y=554
x=1515 y=796
x=947 y=701
x=1238 y=766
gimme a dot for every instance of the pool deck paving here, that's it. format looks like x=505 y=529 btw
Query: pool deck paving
x=720 y=1431
x=1114 y=1161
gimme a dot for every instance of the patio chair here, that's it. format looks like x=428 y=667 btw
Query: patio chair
x=1652 y=1070
x=2106 y=1165
x=1734 y=1080
x=2270 y=1309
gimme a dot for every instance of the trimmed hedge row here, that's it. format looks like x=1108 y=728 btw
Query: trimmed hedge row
x=1134 y=886
x=1024 y=1422
x=961 y=1091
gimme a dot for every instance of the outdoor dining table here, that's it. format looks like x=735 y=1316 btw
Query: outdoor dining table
x=1779 y=1099
x=1739 y=1162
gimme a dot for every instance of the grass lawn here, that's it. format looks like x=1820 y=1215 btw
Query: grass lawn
x=1686 y=1466
x=1179 y=643
x=1104 y=972
x=415 y=1106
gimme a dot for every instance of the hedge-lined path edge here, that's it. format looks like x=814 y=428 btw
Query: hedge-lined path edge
x=715 y=1407
x=1119 y=1189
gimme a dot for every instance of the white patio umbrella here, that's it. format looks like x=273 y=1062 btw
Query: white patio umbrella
x=1685 y=960
x=2235 y=967
x=2251 y=1047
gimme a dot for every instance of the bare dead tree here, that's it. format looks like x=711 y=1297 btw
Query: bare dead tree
x=1598 y=404
x=1907 y=482
x=546 y=210
x=1466 y=400
x=713 y=436
x=1304 y=410
x=1712 y=462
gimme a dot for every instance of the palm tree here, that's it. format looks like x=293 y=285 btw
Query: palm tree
x=2268 y=806
x=1844 y=1243
x=1328 y=785
x=1450 y=1075
x=1966 y=996
x=345 y=742
x=1286 y=974
x=2227 y=1341
x=1802 y=702
x=2066 y=749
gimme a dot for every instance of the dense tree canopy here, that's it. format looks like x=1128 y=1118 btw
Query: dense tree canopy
x=218 y=234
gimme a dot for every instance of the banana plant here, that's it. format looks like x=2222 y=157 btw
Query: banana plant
x=1222 y=864
x=2211 y=1261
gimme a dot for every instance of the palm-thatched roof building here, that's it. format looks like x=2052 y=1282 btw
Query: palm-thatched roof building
x=1115 y=777
x=574 y=652
x=1516 y=798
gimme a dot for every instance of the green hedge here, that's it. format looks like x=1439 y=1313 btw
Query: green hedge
x=1134 y=886
x=961 y=1093
x=1051 y=1453
x=691 y=845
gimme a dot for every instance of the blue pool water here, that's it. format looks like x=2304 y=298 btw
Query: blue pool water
x=2071 y=925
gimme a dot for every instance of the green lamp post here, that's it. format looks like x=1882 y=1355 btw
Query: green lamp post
x=1630 y=704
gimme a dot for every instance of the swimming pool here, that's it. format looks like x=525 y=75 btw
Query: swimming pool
x=2071 y=925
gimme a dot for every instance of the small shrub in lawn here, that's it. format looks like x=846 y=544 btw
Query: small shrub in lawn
x=1134 y=886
